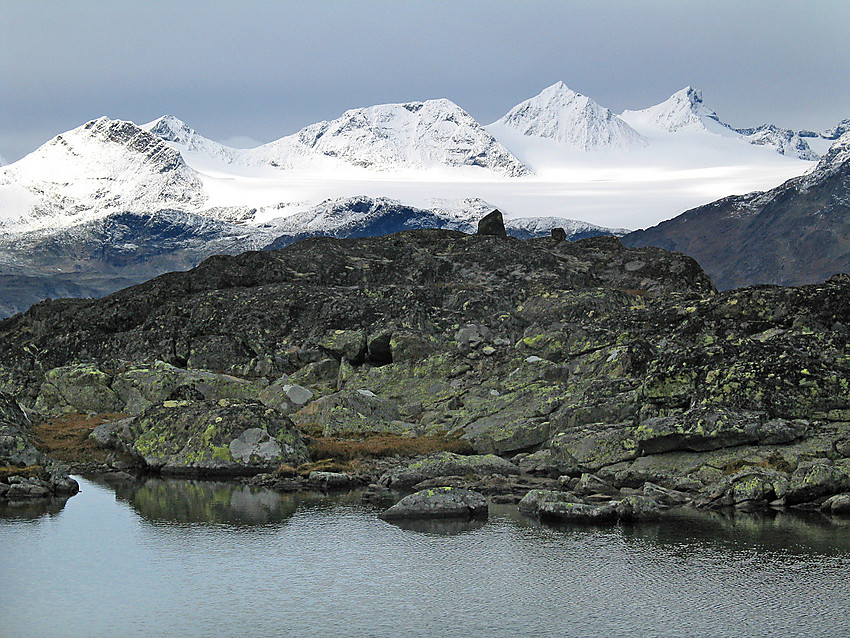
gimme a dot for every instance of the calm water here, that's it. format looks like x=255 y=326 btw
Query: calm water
x=184 y=558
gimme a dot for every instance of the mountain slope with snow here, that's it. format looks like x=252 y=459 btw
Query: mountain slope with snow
x=686 y=112
x=561 y=114
x=100 y=167
x=796 y=233
x=435 y=134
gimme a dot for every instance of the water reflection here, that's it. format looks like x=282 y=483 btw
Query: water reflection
x=204 y=502
x=212 y=558
x=32 y=509
x=440 y=526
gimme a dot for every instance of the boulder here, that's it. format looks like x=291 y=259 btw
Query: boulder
x=439 y=502
x=77 y=388
x=215 y=438
x=814 y=479
x=285 y=396
x=838 y=504
x=348 y=345
x=492 y=224
x=352 y=413
x=576 y=512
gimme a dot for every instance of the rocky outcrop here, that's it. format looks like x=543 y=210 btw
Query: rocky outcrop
x=200 y=437
x=440 y=502
x=549 y=359
x=24 y=471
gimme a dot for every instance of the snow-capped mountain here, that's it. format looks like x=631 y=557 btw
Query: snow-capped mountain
x=414 y=135
x=100 y=167
x=389 y=138
x=685 y=111
x=785 y=141
x=171 y=129
x=837 y=131
x=561 y=114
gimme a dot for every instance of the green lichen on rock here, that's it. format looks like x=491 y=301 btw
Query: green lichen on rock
x=225 y=437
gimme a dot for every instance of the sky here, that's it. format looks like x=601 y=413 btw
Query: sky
x=250 y=72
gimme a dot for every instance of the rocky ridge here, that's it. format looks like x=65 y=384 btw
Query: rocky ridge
x=618 y=378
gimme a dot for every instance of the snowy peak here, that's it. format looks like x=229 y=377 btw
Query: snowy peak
x=427 y=134
x=684 y=109
x=785 y=141
x=96 y=168
x=561 y=114
x=837 y=131
x=170 y=129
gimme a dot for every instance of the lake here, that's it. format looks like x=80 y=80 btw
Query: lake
x=196 y=558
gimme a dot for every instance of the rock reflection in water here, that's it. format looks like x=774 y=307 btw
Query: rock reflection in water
x=440 y=526
x=205 y=502
x=32 y=509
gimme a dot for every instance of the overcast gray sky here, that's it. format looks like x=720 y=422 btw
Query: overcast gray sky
x=262 y=70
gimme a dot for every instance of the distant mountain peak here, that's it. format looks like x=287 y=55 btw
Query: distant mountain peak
x=428 y=134
x=561 y=114
x=685 y=109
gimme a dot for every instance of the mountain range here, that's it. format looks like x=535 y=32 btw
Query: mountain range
x=111 y=203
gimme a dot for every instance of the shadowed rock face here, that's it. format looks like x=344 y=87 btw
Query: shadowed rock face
x=570 y=358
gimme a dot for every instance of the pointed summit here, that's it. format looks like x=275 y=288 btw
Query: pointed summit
x=684 y=109
x=561 y=114
x=175 y=131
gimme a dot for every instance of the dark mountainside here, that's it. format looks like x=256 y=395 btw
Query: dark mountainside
x=100 y=257
x=617 y=379
x=797 y=233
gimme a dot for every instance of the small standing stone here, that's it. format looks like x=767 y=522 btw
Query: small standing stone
x=492 y=224
x=559 y=234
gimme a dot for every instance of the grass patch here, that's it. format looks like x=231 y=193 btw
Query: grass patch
x=29 y=471
x=66 y=437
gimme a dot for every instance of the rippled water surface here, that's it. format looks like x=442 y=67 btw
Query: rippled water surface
x=186 y=558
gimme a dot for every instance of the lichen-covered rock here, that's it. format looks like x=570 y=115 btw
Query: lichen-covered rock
x=576 y=512
x=701 y=429
x=821 y=477
x=24 y=471
x=448 y=464
x=593 y=446
x=349 y=345
x=285 y=396
x=439 y=502
x=352 y=413
x=838 y=504
x=87 y=388
x=530 y=503
x=215 y=438
x=77 y=388
x=636 y=508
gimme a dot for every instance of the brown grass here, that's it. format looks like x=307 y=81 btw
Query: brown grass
x=67 y=437
x=27 y=472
